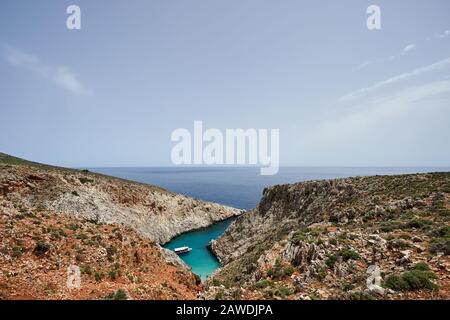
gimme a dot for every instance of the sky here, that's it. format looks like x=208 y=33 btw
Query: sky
x=112 y=93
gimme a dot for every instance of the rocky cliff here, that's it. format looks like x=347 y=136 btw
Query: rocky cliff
x=153 y=212
x=329 y=239
x=105 y=230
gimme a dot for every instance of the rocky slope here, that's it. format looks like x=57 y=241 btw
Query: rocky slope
x=324 y=239
x=151 y=211
x=106 y=229
x=114 y=262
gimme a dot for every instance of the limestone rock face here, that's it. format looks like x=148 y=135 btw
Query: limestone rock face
x=284 y=208
x=317 y=239
x=73 y=234
x=151 y=211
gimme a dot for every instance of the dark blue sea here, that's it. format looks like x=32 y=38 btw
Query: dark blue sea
x=242 y=187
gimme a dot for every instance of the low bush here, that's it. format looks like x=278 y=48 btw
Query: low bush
x=440 y=245
x=348 y=254
x=331 y=260
x=283 y=292
x=120 y=294
x=86 y=269
x=41 y=249
x=262 y=284
x=416 y=279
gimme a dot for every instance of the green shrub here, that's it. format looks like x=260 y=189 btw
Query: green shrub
x=113 y=274
x=111 y=251
x=397 y=283
x=277 y=271
x=219 y=294
x=398 y=244
x=422 y=266
x=268 y=294
x=361 y=296
x=416 y=279
x=440 y=245
x=418 y=224
x=98 y=276
x=17 y=251
x=86 y=269
x=41 y=249
x=348 y=254
x=82 y=236
x=120 y=294
x=443 y=232
x=321 y=274
x=84 y=180
x=300 y=236
x=283 y=292
x=389 y=226
x=347 y=287
x=74 y=226
x=262 y=284
x=288 y=270
x=331 y=260
x=419 y=280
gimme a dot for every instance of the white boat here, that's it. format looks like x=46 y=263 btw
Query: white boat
x=182 y=250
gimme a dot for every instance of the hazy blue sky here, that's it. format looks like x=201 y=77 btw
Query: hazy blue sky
x=112 y=93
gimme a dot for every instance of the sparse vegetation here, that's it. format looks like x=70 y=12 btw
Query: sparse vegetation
x=348 y=254
x=331 y=260
x=41 y=249
x=98 y=276
x=86 y=269
x=111 y=251
x=283 y=292
x=120 y=294
x=220 y=294
x=278 y=271
x=262 y=284
x=85 y=180
x=17 y=251
x=113 y=274
x=418 y=278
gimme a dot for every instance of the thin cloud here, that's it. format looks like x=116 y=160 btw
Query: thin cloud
x=61 y=76
x=352 y=129
x=408 y=48
x=401 y=77
x=364 y=65
x=404 y=52
x=445 y=34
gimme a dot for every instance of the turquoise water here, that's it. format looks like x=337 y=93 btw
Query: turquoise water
x=200 y=258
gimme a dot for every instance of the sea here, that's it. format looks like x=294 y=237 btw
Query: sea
x=239 y=187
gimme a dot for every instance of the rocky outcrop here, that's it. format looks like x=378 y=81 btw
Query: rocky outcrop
x=153 y=212
x=284 y=208
x=44 y=255
x=324 y=239
x=74 y=234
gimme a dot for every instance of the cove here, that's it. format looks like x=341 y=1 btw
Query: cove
x=202 y=261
